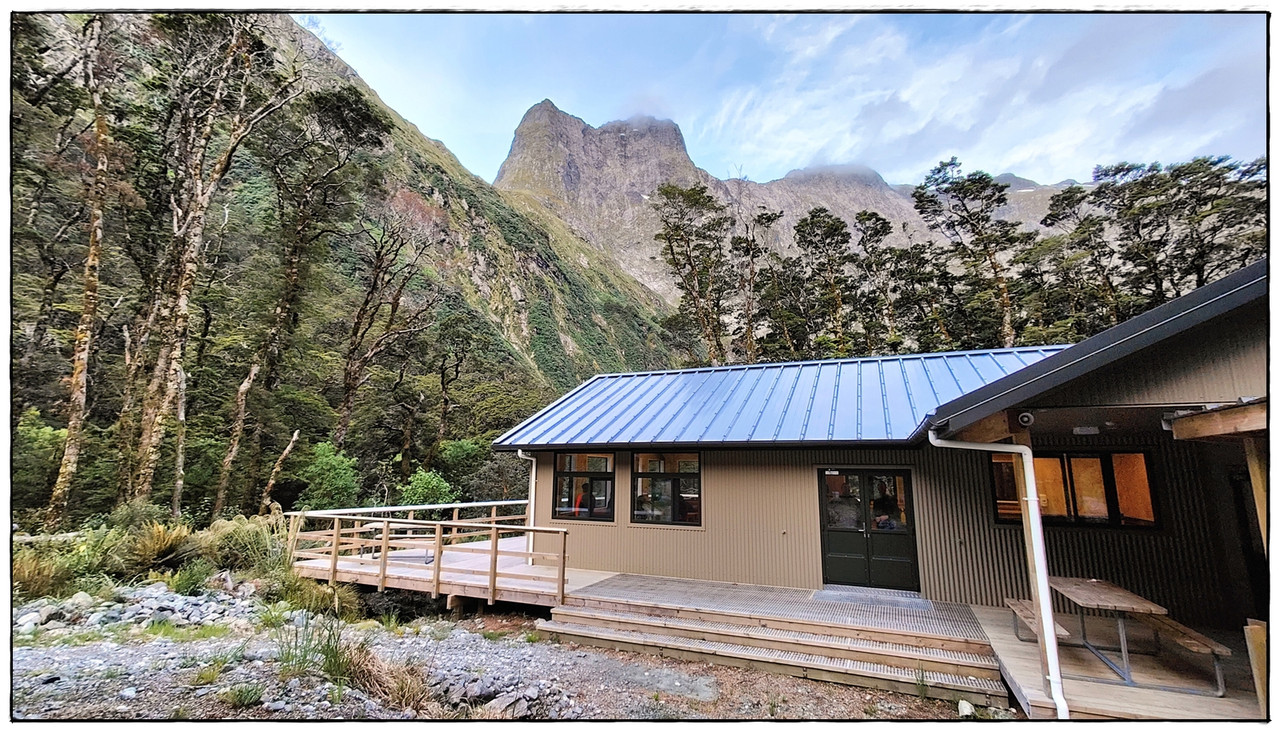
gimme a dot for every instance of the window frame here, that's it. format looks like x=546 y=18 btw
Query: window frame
x=557 y=474
x=637 y=475
x=1114 y=520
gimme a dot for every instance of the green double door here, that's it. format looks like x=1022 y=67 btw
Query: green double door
x=868 y=532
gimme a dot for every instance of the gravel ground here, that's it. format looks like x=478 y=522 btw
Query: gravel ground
x=491 y=666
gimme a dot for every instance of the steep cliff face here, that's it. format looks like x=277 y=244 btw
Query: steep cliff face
x=561 y=305
x=598 y=181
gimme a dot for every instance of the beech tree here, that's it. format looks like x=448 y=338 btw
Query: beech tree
x=693 y=230
x=963 y=208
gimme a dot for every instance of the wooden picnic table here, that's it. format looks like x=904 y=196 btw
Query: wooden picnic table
x=1099 y=594
x=1096 y=594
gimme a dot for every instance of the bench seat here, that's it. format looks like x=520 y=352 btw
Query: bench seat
x=1182 y=635
x=1025 y=611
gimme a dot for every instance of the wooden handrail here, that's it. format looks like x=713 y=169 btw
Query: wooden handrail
x=363 y=544
x=419 y=507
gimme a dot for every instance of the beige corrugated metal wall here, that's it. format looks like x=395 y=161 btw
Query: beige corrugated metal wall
x=761 y=526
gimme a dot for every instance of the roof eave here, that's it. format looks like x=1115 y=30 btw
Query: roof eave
x=1172 y=318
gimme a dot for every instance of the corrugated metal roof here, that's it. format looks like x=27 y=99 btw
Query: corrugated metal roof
x=809 y=402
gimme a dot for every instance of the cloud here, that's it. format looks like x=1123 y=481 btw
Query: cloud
x=1044 y=96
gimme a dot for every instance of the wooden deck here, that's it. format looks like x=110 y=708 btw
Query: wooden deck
x=1020 y=667
x=464 y=571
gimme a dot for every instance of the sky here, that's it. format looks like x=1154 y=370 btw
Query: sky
x=1044 y=96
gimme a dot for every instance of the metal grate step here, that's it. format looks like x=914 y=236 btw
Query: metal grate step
x=645 y=623
x=846 y=670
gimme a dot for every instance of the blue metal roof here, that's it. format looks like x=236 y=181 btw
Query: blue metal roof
x=880 y=399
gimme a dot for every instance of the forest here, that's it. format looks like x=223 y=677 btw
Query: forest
x=1137 y=236
x=239 y=280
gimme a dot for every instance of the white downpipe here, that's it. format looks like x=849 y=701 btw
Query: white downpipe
x=529 y=514
x=1044 y=612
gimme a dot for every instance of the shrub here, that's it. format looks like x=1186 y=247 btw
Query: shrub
x=243 y=695
x=157 y=545
x=332 y=480
x=318 y=641
x=191 y=577
x=256 y=543
x=39 y=573
x=427 y=488
x=306 y=594
x=136 y=514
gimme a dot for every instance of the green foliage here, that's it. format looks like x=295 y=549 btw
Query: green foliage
x=157 y=545
x=427 y=488
x=300 y=648
x=37 y=451
x=191 y=577
x=241 y=543
x=38 y=574
x=332 y=481
x=457 y=460
x=243 y=695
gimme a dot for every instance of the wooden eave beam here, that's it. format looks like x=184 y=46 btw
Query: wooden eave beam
x=993 y=428
x=1247 y=420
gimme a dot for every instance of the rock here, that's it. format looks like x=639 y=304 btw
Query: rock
x=29 y=619
x=82 y=599
x=50 y=612
x=129 y=693
x=294 y=683
x=520 y=710
x=502 y=703
x=27 y=629
x=531 y=693
x=96 y=618
x=965 y=709
x=55 y=625
x=274 y=706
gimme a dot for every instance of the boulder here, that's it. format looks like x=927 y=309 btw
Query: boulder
x=82 y=599
x=965 y=709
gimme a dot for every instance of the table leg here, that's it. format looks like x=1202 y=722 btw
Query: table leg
x=1124 y=647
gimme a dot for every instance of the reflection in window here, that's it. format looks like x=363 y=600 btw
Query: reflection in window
x=583 y=487
x=1085 y=488
x=667 y=489
x=844 y=501
x=888 y=503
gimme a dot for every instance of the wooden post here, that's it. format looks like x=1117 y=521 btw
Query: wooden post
x=493 y=563
x=493 y=514
x=1255 y=637
x=454 y=529
x=564 y=540
x=1255 y=452
x=333 y=560
x=382 y=560
x=295 y=525
x=439 y=559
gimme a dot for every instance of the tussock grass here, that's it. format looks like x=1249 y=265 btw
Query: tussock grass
x=243 y=695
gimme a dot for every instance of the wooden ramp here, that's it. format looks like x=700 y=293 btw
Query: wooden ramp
x=1020 y=667
x=936 y=648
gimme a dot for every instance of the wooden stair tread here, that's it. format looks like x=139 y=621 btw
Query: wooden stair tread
x=934 y=679
x=1182 y=635
x=760 y=632
x=1026 y=612
x=915 y=637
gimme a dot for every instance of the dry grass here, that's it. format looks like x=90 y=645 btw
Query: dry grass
x=401 y=685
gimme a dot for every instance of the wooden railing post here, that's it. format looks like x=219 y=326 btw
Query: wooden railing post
x=382 y=559
x=493 y=563
x=564 y=541
x=333 y=560
x=439 y=559
x=295 y=525
x=454 y=529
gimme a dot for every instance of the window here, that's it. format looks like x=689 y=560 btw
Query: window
x=666 y=488
x=1100 y=489
x=584 y=487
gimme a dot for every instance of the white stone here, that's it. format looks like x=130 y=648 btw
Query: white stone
x=965 y=709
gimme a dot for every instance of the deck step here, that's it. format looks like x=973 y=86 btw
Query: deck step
x=964 y=663
x=756 y=618
x=935 y=684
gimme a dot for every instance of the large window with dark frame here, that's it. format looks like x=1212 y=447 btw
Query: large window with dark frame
x=1082 y=488
x=583 y=486
x=666 y=488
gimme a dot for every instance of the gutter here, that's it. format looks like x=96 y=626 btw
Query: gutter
x=528 y=520
x=1035 y=531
